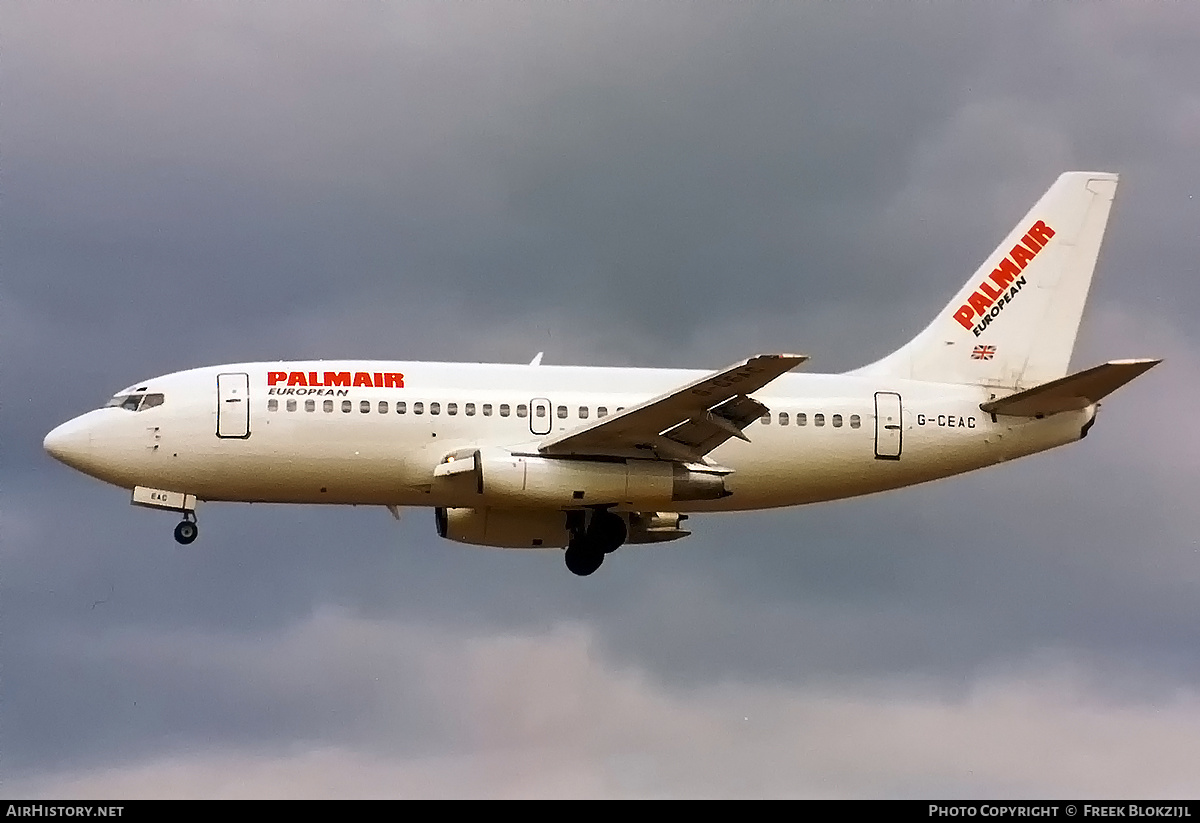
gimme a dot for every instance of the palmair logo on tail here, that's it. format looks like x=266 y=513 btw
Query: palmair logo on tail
x=983 y=353
x=1007 y=280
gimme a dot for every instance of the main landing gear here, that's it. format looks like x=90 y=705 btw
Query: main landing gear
x=603 y=534
x=186 y=531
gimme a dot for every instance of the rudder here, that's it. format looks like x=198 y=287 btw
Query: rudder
x=1014 y=323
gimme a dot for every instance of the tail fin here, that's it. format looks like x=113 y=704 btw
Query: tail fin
x=1014 y=322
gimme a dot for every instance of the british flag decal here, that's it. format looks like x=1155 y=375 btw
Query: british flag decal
x=983 y=352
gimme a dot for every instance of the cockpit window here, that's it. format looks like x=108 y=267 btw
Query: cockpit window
x=136 y=402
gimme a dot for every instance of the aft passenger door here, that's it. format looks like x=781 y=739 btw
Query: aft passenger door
x=540 y=421
x=888 y=433
x=233 y=405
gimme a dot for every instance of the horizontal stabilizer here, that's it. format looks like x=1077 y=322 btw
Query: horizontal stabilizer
x=1070 y=393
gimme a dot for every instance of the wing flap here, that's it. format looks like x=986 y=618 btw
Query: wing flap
x=705 y=431
x=1070 y=393
x=684 y=424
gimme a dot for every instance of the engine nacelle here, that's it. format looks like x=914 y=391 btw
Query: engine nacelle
x=536 y=529
x=513 y=481
x=504 y=528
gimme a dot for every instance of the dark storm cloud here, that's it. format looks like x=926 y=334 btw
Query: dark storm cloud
x=521 y=180
x=667 y=185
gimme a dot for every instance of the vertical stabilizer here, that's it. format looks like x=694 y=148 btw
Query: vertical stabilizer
x=1013 y=324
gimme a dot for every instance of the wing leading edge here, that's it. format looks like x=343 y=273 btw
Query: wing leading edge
x=684 y=424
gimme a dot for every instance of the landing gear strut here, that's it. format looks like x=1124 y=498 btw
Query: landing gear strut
x=186 y=531
x=603 y=535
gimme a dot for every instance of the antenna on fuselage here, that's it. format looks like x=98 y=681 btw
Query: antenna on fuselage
x=537 y=359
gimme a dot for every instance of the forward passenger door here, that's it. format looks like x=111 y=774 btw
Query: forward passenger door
x=233 y=405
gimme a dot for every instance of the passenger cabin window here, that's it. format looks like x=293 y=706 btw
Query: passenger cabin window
x=435 y=408
x=401 y=407
x=418 y=407
x=291 y=405
x=272 y=405
x=451 y=408
x=837 y=421
x=583 y=412
x=504 y=410
x=346 y=406
x=602 y=411
x=783 y=418
x=855 y=421
x=818 y=420
x=765 y=419
x=310 y=405
x=801 y=419
x=383 y=409
x=469 y=410
x=522 y=410
x=327 y=405
x=487 y=409
x=364 y=406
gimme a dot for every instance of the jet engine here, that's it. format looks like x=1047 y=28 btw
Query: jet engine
x=504 y=528
x=546 y=528
x=526 y=481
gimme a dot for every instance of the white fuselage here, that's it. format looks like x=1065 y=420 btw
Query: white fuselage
x=303 y=441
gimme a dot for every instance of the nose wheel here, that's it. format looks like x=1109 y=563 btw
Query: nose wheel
x=186 y=531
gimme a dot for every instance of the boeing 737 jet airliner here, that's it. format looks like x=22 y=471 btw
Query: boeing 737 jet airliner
x=533 y=456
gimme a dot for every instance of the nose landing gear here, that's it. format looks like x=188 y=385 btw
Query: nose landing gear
x=186 y=531
x=161 y=499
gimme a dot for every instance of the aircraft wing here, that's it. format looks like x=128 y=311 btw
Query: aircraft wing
x=684 y=424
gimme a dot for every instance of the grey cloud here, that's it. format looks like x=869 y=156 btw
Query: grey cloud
x=545 y=715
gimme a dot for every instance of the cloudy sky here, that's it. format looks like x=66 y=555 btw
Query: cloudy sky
x=667 y=184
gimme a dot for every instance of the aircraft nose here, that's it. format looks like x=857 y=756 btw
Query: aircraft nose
x=70 y=443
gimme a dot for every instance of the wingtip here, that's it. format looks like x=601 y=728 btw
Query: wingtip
x=1148 y=362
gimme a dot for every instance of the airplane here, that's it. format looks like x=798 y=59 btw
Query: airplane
x=588 y=459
